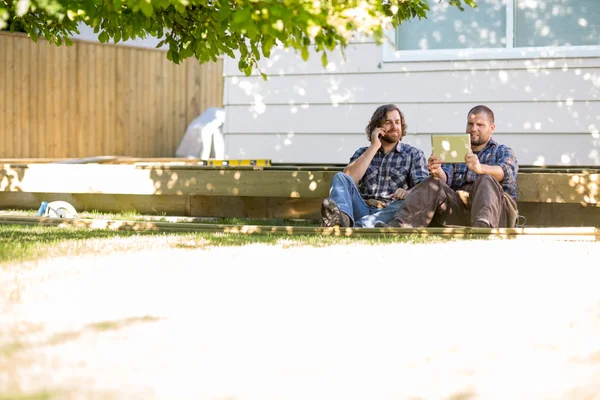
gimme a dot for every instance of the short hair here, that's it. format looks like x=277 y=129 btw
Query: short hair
x=482 y=109
x=379 y=116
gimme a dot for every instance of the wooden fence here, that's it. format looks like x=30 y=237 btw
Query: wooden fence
x=93 y=99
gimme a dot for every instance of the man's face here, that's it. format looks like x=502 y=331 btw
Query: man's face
x=480 y=128
x=393 y=127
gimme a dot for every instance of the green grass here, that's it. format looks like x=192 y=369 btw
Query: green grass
x=137 y=217
x=20 y=243
x=43 y=395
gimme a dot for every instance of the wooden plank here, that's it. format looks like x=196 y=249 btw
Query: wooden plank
x=127 y=179
x=585 y=233
x=82 y=117
x=121 y=115
x=19 y=97
x=59 y=102
x=559 y=214
x=164 y=105
x=536 y=214
x=147 y=205
x=5 y=99
x=194 y=105
x=34 y=93
x=228 y=206
x=39 y=99
x=181 y=121
x=150 y=111
x=130 y=99
x=218 y=77
x=11 y=138
x=23 y=99
x=559 y=188
x=304 y=208
x=70 y=114
x=94 y=102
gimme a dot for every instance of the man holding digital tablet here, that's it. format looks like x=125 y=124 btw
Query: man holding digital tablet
x=479 y=192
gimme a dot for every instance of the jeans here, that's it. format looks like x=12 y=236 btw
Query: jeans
x=345 y=193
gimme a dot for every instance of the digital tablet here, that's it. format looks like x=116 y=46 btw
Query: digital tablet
x=451 y=148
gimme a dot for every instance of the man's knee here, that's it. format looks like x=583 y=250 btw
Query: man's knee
x=429 y=184
x=487 y=181
x=341 y=177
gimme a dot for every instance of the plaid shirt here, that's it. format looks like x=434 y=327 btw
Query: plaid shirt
x=459 y=175
x=403 y=167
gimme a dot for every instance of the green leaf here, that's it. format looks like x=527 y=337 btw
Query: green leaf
x=207 y=29
x=324 y=61
x=304 y=53
x=103 y=37
x=146 y=8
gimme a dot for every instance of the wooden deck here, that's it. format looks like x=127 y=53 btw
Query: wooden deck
x=162 y=186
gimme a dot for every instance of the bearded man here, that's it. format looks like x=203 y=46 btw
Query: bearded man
x=378 y=178
x=481 y=192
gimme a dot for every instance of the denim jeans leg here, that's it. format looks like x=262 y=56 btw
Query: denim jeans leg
x=384 y=215
x=345 y=193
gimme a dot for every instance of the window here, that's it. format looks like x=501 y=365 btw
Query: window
x=501 y=29
x=557 y=23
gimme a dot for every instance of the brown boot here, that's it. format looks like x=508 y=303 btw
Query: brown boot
x=332 y=216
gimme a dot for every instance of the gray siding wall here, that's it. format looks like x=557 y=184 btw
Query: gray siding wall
x=547 y=110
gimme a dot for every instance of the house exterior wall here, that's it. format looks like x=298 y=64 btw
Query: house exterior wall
x=547 y=109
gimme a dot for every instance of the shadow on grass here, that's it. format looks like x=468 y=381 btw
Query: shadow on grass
x=12 y=348
x=29 y=242
x=43 y=395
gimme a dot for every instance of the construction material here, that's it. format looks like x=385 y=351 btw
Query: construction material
x=570 y=233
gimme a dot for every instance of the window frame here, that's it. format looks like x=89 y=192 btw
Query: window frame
x=390 y=54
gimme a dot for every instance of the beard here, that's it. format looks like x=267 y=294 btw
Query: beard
x=480 y=139
x=392 y=136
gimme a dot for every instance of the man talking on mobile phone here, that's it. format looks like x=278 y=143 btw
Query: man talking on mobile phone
x=374 y=184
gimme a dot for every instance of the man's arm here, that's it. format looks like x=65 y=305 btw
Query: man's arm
x=434 y=164
x=419 y=169
x=357 y=168
x=474 y=165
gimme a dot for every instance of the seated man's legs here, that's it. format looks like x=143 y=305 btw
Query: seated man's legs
x=431 y=198
x=381 y=215
x=487 y=202
x=344 y=204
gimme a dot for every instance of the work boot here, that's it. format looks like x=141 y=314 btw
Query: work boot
x=332 y=216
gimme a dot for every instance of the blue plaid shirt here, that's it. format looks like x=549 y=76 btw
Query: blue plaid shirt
x=403 y=167
x=493 y=154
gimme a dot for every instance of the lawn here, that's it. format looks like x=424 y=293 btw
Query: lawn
x=19 y=243
x=181 y=316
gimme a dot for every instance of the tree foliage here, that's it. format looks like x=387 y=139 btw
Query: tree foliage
x=206 y=29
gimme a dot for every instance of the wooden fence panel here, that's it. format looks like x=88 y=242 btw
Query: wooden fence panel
x=93 y=99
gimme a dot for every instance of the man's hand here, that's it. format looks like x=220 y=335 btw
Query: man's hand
x=400 y=194
x=375 y=137
x=435 y=165
x=376 y=203
x=473 y=163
